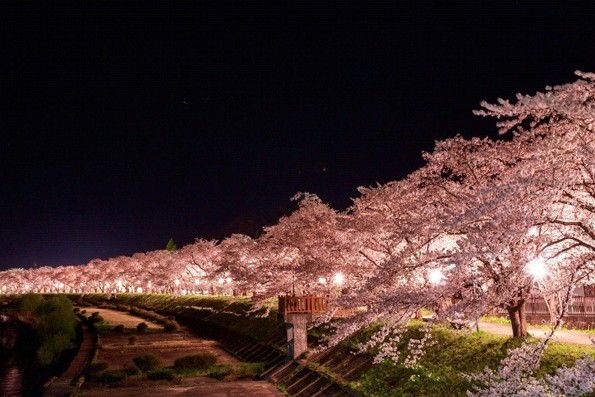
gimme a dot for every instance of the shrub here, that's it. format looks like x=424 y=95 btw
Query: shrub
x=76 y=310
x=141 y=327
x=30 y=303
x=131 y=371
x=241 y=371
x=96 y=367
x=148 y=362
x=197 y=361
x=96 y=318
x=161 y=374
x=249 y=370
x=132 y=339
x=171 y=326
x=119 y=329
x=112 y=376
x=220 y=372
x=55 y=327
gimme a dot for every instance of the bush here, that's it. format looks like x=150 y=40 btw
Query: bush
x=220 y=372
x=171 y=326
x=112 y=376
x=148 y=362
x=161 y=374
x=141 y=327
x=96 y=367
x=119 y=329
x=30 y=303
x=76 y=310
x=55 y=326
x=197 y=361
x=229 y=372
x=131 y=371
x=96 y=318
x=249 y=370
x=132 y=339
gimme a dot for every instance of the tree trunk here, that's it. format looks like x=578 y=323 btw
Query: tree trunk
x=518 y=319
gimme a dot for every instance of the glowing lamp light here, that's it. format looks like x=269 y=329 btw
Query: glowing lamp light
x=436 y=276
x=221 y=280
x=322 y=280
x=228 y=280
x=536 y=268
x=197 y=281
x=338 y=279
x=177 y=282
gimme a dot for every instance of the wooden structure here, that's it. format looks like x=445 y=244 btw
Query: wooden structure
x=310 y=304
x=579 y=305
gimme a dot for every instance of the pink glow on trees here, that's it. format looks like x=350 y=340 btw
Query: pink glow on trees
x=480 y=222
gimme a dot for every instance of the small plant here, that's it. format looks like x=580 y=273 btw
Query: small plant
x=131 y=371
x=141 y=327
x=220 y=372
x=76 y=310
x=249 y=370
x=148 y=362
x=96 y=367
x=119 y=329
x=171 y=326
x=161 y=374
x=112 y=376
x=197 y=361
x=132 y=339
x=96 y=318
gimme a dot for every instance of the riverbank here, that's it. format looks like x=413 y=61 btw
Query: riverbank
x=439 y=372
x=120 y=377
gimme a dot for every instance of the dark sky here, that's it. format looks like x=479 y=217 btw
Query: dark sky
x=126 y=123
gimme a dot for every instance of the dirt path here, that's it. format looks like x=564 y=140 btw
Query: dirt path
x=114 y=317
x=205 y=388
x=565 y=336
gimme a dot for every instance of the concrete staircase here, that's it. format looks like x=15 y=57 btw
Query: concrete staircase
x=296 y=378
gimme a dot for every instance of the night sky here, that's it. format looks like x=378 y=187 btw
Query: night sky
x=126 y=123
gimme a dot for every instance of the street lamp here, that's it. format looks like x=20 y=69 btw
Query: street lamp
x=436 y=276
x=536 y=268
x=338 y=279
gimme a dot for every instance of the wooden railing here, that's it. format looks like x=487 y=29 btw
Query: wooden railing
x=302 y=304
x=580 y=305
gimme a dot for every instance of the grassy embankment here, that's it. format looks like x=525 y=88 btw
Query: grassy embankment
x=439 y=372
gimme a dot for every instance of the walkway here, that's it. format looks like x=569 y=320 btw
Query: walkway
x=65 y=385
x=205 y=388
x=564 y=336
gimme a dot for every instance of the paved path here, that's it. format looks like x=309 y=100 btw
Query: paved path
x=565 y=336
x=66 y=383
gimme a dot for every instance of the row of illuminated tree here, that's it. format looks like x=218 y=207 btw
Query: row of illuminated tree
x=484 y=224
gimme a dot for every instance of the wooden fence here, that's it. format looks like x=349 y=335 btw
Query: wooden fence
x=580 y=305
